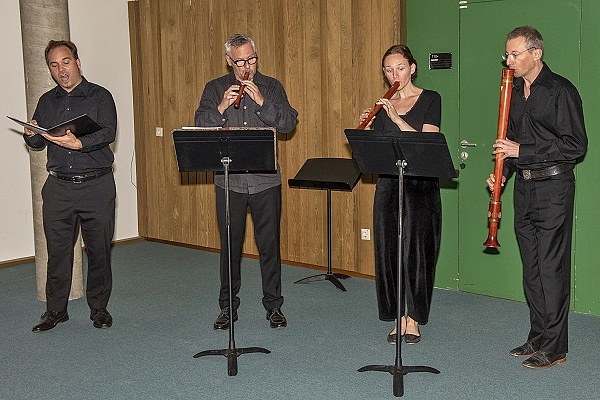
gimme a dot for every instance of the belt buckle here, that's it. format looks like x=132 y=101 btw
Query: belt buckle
x=78 y=179
x=526 y=174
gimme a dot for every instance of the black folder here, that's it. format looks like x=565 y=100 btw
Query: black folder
x=79 y=126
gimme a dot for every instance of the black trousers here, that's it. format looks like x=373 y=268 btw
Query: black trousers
x=544 y=224
x=421 y=233
x=68 y=205
x=265 y=208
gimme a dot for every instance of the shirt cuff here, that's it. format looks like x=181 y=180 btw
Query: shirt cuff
x=526 y=154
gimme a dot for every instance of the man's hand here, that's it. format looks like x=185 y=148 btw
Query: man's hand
x=254 y=93
x=491 y=180
x=231 y=94
x=228 y=98
x=68 y=141
x=507 y=148
x=29 y=132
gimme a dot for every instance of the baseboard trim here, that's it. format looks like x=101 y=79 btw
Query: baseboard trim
x=16 y=261
x=254 y=256
x=25 y=260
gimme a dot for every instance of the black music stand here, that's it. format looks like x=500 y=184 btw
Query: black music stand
x=227 y=150
x=401 y=153
x=330 y=174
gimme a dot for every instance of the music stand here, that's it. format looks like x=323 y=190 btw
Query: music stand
x=330 y=174
x=401 y=153
x=227 y=150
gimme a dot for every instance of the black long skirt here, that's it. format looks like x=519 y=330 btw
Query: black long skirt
x=421 y=231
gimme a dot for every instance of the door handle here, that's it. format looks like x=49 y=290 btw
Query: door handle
x=464 y=144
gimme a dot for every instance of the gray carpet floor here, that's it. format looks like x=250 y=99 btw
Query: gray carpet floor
x=164 y=303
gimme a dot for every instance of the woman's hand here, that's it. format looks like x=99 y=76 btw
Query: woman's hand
x=364 y=116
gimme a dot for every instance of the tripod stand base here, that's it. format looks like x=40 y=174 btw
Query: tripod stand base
x=232 y=355
x=333 y=278
x=398 y=373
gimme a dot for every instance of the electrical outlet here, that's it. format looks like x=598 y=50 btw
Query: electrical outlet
x=159 y=131
x=365 y=234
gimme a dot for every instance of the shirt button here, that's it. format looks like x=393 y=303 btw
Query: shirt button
x=70 y=166
x=245 y=123
x=258 y=113
x=245 y=107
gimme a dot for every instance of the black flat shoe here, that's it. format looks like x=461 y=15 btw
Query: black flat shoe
x=392 y=337
x=412 y=339
x=276 y=318
x=526 y=350
x=49 y=320
x=222 y=321
x=409 y=338
x=101 y=318
x=541 y=359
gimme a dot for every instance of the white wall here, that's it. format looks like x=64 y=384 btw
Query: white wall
x=100 y=29
x=16 y=219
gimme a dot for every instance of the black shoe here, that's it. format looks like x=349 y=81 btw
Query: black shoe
x=276 y=318
x=49 y=320
x=101 y=318
x=541 y=359
x=526 y=350
x=412 y=339
x=409 y=338
x=393 y=337
x=222 y=321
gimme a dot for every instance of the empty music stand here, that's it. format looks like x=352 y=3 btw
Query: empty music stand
x=401 y=153
x=330 y=174
x=235 y=150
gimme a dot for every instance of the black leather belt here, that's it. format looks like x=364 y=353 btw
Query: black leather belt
x=534 y=174
x=81 y=178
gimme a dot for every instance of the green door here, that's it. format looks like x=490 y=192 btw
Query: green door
x=483 y=29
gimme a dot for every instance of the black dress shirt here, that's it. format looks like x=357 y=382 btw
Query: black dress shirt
x=57 y=106
x=548 y=125
x=276 y=112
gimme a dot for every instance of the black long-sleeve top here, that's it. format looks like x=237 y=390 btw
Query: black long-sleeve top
x=57 y=106
x=548 y=125
x=276 y=112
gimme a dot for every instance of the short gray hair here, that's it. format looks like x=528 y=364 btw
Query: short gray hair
x=531 y=35
x=238 y=40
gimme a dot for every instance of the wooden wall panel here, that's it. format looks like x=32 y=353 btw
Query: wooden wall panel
x=327 y=55
x=304 y=207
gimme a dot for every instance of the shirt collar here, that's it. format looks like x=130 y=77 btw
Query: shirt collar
x=80 y=90
x=544 y=78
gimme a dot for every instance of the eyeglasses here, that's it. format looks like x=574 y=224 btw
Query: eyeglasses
x=240 y=63
x=515 y=54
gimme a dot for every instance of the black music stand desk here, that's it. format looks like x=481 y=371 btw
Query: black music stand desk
x=401 y=153
x=330 y=174
x=237 y=150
